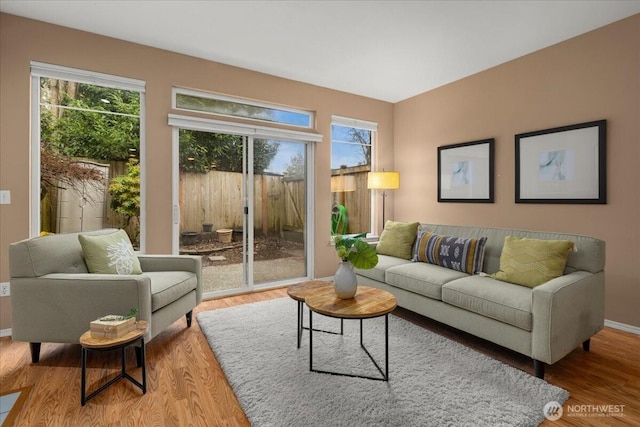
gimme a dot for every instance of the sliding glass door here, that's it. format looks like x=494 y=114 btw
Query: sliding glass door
x=242 y=204
x=279 y=206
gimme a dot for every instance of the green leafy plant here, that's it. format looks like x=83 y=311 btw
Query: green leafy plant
x=355 y=250
x=125 y=191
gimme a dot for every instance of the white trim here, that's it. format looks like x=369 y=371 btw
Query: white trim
x=354 y=123
x=179 y=91
x=41 y=69
x=310 y=244
x=5 y=332
x=34 y=161
x=142 y=161
x=175 y=188
x=219 y=126
x=622 y=326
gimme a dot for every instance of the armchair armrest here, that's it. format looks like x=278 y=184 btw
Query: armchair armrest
x=567 y=311
x=191 y=263
x=58 y=307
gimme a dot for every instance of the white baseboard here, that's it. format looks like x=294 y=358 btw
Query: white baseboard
x=622 y=326
x=5 y=332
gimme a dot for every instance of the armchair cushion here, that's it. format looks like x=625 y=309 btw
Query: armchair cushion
x=110 y=253
x=170 y=286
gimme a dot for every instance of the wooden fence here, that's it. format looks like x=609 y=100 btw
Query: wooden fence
x=216 y=198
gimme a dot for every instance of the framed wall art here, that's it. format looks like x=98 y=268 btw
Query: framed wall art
x=562 y=165
x=465 y=172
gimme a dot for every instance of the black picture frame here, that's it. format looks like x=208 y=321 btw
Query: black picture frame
x=562 y=165
x=465 y=172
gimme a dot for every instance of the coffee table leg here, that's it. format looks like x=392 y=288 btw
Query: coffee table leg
x=300 y=315
x=311 y=340
x=384 y=374
x=386 y=347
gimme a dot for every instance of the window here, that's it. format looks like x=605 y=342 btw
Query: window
x=351 y=147
x=86 y=151
x=237 y=107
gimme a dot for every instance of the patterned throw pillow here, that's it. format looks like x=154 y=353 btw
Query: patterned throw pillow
x=456 y=253
x=109 y=253
x=532 y=262
x=397 y=239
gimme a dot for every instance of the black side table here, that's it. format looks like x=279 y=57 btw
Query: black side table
x=109 y=344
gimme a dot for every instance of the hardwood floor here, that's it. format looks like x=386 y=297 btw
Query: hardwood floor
x=186 y=386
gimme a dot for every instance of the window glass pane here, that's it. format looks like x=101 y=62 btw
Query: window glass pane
x=89 y=169
x=350 y=163
x=350 y=147
x=242 y=109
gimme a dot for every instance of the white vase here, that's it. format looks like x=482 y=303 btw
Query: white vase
x=345 y=281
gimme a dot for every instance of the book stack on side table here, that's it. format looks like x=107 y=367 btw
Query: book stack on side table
x=111 y=326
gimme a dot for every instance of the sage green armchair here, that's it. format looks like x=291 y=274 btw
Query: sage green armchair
x=54 y=297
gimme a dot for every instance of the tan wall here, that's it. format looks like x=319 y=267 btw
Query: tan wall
x=591 y=77
x=23 y=40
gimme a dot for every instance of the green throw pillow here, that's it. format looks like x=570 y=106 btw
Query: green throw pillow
x=397 y=239
x=532 y=262
x=109 y=253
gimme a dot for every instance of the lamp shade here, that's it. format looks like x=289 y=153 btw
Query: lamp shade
x=385 y=180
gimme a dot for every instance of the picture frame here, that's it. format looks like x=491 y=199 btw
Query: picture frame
x=563 y=165
x=465 y=172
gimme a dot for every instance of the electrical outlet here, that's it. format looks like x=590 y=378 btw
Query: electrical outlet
x=5 y=291
x=5 y=197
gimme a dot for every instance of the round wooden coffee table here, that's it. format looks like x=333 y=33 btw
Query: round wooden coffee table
x=89 y=342
x=367 y=303
x=301 y=291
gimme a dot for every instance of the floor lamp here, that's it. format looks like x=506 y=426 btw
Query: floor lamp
x=385 y=180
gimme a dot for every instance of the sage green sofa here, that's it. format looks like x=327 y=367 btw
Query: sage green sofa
x=545 y=322
x=54 y=297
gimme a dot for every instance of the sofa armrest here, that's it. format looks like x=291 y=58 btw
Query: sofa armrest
x=58 y=307
x=567 y=311
x=190 y=263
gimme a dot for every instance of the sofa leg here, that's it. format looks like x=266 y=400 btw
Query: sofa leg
x=538 y=367
x=586 y=345
x=189 y=316
x=35 y=351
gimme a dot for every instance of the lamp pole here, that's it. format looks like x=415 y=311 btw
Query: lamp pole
x=384 y=180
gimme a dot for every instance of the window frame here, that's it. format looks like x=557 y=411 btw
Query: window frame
x=236 y=100
x=40 y=70
x=373 y=128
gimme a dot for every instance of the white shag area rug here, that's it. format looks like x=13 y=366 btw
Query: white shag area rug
x=433 y=381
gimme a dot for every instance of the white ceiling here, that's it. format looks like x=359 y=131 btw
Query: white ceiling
x=387 y=50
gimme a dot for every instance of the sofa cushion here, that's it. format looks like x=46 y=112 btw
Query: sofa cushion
x=169 y=286
x=109 y=253
x=421 y=278
x=491 y=298
x=532 y=262
x=384 y=263
x=456 y=253
x=397 y=239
